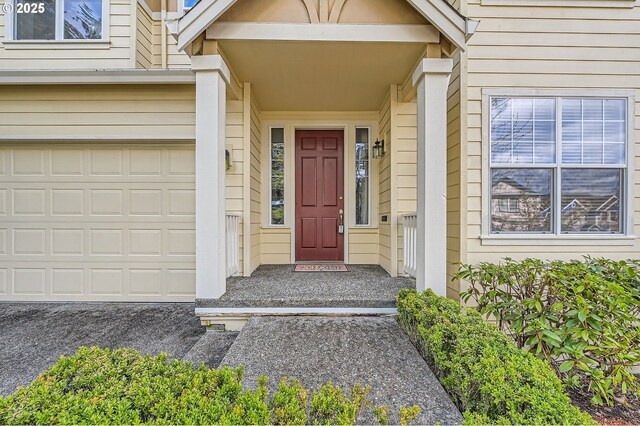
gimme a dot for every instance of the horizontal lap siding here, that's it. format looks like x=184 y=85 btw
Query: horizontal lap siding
x=407 y=168
x=384 y=189
x=363 y=246
x=234 y=193
x=144 y=39
x=454 y=155
x=98 y=112
x=255 y=210
x=118 y=53
x=547 y=48
x=276 y=246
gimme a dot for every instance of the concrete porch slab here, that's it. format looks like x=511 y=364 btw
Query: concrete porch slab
x=347 y=351
x=278 y=286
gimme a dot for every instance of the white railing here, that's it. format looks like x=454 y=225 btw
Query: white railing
x=410 y=230
x=232 y=232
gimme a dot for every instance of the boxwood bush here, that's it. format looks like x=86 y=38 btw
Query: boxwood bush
x=103 y=386
x=489 y=379
x=580 y=316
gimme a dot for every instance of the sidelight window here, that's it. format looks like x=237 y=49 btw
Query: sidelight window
x=558 y=165
x=362 y=176
x=276 y=211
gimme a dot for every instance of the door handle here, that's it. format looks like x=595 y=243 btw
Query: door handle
x=341 y=221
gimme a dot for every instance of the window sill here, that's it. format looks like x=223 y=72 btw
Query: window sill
x=276 y=227
x=56 y=44
x=558 y=240
x=562 y=3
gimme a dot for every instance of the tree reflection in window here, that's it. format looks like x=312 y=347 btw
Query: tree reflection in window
x=277 y=176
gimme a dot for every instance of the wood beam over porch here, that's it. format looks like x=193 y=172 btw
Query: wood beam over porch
x=431 y=80
x=212 y=78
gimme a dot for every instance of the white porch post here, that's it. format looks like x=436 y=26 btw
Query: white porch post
x=431 y=80
x=212 y=77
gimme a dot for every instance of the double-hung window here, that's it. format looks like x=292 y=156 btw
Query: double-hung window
x=38 y=20
x=558 y=165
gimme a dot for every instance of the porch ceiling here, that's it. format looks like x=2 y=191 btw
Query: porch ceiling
x=321 y=76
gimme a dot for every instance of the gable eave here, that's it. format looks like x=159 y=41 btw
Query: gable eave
x=454 y=26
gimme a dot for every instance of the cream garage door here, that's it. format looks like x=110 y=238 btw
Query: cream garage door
x=97 y=223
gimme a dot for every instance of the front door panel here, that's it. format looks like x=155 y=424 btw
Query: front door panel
x=319 y=195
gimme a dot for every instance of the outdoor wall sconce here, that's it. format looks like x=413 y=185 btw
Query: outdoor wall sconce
x=378 y=149
x=227 y=158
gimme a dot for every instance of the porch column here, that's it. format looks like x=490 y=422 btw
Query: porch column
x=431 y=80
x=212 y=77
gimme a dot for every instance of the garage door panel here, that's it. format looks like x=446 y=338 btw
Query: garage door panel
x=109 y=223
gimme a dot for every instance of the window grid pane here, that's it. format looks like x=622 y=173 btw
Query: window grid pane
x=589 y=200
x=277 y=176
x=523 y=131
x=594 y=131
x=362 y=176
x=35 y=26
x=82 y=19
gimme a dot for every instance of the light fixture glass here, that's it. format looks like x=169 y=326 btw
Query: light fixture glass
x=378 y=149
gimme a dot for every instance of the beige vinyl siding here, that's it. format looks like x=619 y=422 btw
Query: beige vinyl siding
x=363 y=246
x=547 y=48
x=255 y=176
x=108 y=112
x=144 y=39
x=234 y=176
x=454 y=156
x=275 y=246
x=385 y=187
x=406 y=139
x=118 y=53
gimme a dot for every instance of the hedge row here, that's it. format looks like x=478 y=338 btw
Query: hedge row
x=489 y=379
x=103 y=386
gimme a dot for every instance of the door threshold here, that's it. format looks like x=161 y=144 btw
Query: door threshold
x=318 y=262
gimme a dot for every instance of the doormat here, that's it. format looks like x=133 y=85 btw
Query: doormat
x=321 y=268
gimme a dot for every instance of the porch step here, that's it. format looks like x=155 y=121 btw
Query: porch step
x=234 y=319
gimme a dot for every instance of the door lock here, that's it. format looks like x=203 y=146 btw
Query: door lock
x=341 y=222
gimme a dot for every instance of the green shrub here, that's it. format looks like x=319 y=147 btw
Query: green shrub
x=582 y=317
x=488 y=378
x=103 y=386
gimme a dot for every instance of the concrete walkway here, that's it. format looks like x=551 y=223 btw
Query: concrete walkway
x=34 y=335
x=347 y=351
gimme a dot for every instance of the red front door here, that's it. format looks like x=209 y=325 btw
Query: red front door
x=319 y=195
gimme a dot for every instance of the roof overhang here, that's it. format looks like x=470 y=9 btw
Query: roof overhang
x=454 y=26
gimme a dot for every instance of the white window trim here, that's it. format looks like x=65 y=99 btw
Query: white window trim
x=9 y=35
x=627 y=237
x=369 y=171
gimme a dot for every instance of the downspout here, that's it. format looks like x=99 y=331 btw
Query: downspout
x=163 y=32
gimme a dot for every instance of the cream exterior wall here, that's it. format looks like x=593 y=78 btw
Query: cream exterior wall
x=119 y=52
x=545 y=47
x=97 y=191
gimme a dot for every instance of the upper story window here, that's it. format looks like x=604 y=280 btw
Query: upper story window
x=558 y=165
x=59 y=19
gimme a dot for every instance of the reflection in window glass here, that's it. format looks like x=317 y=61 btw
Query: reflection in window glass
x=591 y=200
x=521 y=200
x=36 y=26
x=277 y=176
x=83 y=19
x=188 y=4
x=523 y=131
x=362 y=176
x=591 y=131
x=594 y=131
